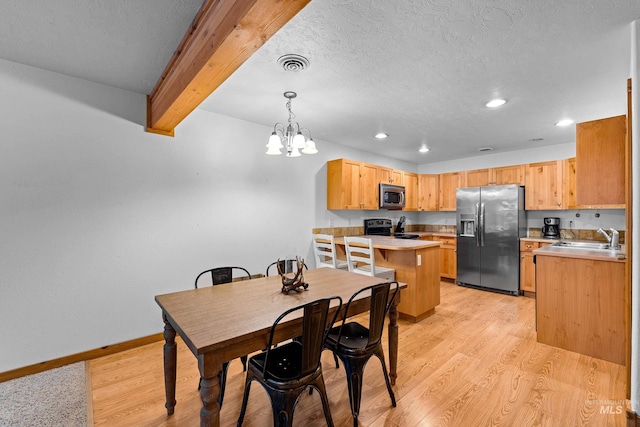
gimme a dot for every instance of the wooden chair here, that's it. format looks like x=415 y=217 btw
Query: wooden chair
x=360 y=252
x=324 y=248
x=220 y=275
x=354 y=344
x=287 y=265
x=287 y=370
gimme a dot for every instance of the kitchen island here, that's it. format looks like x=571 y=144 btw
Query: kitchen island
x=417 y=263
x=582 y=301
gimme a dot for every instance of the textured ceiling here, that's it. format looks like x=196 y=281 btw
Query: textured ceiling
x=419 y=70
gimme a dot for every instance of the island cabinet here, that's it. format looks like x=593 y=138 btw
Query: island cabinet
x=448 y=254
x=544 y=189
x=448 y=184
x=600 y=160
x=416 y=263
x=581 y=305
x=428 y=192
x=352 y=185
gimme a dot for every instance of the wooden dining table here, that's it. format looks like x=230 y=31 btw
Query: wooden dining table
x=220 y=323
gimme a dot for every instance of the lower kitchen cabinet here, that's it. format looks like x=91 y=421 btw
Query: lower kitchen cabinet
x=448 y=256
x=527 y=267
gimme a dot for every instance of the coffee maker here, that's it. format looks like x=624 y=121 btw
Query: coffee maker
x=551 y=228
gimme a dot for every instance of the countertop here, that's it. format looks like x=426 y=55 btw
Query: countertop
x=390 y=242
x=538 y=239
x=593 y=254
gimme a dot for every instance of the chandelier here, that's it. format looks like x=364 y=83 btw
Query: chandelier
x=290 y=137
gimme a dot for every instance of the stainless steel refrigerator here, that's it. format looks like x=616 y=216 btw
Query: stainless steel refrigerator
x=489 y=222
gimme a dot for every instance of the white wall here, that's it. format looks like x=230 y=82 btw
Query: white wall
x=97 y=216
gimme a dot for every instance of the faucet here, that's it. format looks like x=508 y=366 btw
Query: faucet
x=613 y=239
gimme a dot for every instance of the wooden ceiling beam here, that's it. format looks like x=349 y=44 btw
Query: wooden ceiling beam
x=223 y=35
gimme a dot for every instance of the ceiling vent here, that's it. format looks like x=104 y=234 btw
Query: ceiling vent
x=483 y=149
x=293 y=62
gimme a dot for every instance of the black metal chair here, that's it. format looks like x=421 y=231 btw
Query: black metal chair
x=220 y=275
x=286 y=265
x=354 y=344
x=287 y=370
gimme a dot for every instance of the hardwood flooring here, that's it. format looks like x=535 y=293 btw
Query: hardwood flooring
x=475 y=362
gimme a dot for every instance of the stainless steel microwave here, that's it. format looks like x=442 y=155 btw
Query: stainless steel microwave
x=391 y=196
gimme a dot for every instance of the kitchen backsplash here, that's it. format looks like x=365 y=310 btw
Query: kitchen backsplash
x=580 y=234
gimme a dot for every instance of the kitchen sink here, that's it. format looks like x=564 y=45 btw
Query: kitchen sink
x=582 y=244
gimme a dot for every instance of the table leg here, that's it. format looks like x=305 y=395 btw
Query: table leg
x=393 y=339
x=170 y=358
x=210 y=369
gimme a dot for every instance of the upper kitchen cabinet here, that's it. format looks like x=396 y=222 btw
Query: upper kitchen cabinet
x=508 y=175
x=477 y=178
x=600 y=162
x=428 y=192
x=352 y=185
x=495 y=176
x=570 y=200
x=448 y=184
x=410 y=181
x=390 y=176
x=544 y=185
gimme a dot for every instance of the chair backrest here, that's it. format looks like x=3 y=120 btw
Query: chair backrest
x=315 y=326
x=382 y=296
x=360 y=250
x=324 y=248
x=287 y=265
x=221 y=275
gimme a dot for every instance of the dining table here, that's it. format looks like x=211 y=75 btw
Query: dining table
x=223 y=322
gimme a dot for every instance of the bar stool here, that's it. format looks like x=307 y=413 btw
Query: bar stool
x=364 y=256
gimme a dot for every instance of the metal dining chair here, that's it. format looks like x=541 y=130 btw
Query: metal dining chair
x=287 y=370
x=354 y=343
x=220 y=275
x=286 y=265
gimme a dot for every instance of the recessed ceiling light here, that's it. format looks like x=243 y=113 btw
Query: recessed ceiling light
x=564 y=122
x=424 y=149
x=381 y=135
x=495 y=103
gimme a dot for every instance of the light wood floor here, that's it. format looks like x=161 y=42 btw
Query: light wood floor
x=475 y=362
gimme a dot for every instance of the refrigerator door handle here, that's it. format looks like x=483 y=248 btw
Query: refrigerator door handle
x=477 y=225
x=481 y=225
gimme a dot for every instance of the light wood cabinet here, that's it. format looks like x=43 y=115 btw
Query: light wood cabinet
x=351 y=185
x=570 y=199
x=390 y=176
x=448 y=184
x=527 y=267
x=428 y=192
x=495 y=176
x=410 y=181
x=448 y=256
x=508 y=175
x=600 y=156
x=581 y=305
x=477 y=178
x=544 y=185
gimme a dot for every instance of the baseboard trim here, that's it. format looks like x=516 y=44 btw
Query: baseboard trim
x=79 y=357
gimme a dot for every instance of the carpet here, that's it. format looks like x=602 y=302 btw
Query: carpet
x=52 y=398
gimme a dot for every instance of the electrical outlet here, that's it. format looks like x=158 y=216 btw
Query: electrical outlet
x=331 y=223
x=419 y=260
